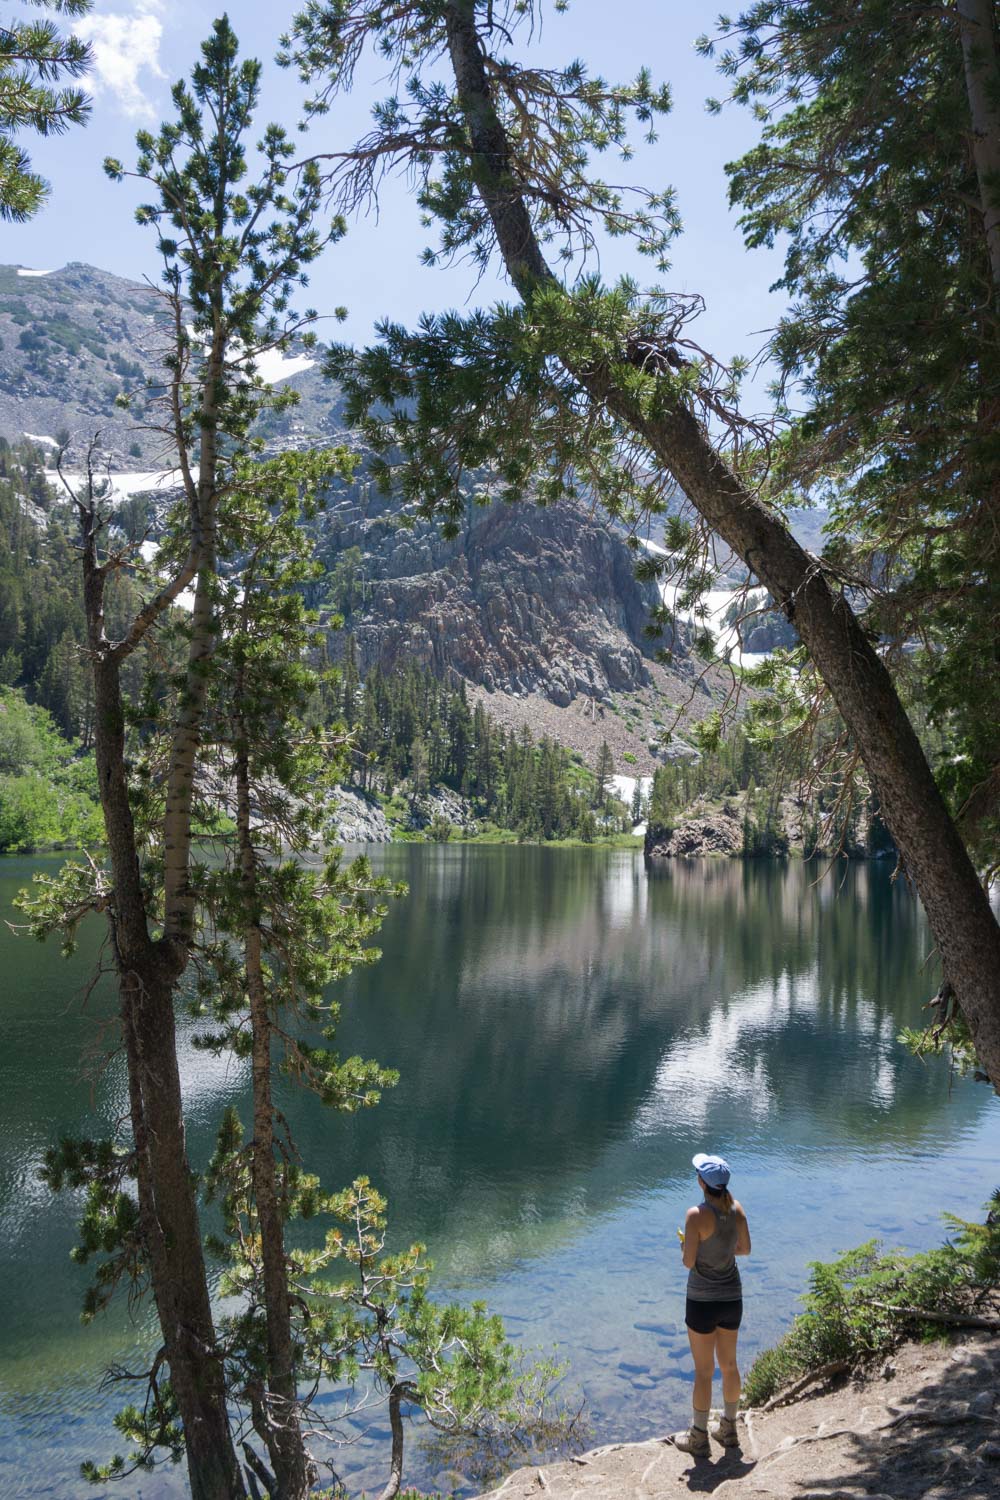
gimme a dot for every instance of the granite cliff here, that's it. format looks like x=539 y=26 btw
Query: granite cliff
x=538 y=609
x=524 y=601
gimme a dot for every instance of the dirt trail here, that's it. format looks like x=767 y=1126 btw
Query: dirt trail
x=926 y=1428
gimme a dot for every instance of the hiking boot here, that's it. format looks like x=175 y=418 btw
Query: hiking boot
x=694 y=1441
x=725 y=1433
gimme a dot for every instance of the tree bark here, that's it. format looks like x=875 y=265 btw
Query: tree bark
x=981 y=63
x=980 y=58
x=148 y=971
x=178 y=902
x=393 y=1483
x=283 y=1434
x=172 y=1232
x=957 y=906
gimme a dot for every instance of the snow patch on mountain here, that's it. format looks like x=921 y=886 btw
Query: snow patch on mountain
x=716 y=603
x=135 y=482
x=273 y=366
x=624 y=786
x=624 y=789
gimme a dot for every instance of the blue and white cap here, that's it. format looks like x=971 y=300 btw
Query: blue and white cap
x=711 y=1169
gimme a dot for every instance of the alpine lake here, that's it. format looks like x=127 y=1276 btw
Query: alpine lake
x=569 y=1027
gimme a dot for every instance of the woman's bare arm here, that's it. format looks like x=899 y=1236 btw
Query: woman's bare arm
x=692 y=1237
x=742 y=1232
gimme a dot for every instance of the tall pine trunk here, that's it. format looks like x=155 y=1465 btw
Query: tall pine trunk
x=957 y=906
x=395 y=1480
x=171 y=1233
x=148 y=971
x=282 y=1430
x=981 y=61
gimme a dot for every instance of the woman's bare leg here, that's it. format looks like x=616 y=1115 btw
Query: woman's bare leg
x=725 y=1353
x=703 y=1351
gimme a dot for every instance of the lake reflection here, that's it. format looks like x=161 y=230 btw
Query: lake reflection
x=569 y=1029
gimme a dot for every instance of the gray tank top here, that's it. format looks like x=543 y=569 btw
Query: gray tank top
x=715 y=1276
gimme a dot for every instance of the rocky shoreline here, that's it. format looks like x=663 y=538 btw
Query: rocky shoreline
x=708 y=828
x=360 y=817
x=924 y=1427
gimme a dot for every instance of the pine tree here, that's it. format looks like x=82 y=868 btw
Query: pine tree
x=604 y=769
x=297 y=928
x=460 y=733
x=34 y=55
x=419 y=772
x=232 y=253
x=350 y=681
x=563 y=384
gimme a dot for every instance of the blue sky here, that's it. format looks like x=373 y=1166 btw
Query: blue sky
x=143 y=45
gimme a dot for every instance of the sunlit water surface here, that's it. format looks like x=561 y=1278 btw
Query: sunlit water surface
x=569 y=1029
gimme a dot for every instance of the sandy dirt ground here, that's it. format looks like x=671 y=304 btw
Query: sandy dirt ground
x=925 y=1427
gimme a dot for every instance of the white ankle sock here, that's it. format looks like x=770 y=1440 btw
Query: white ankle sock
x=731 y=1409
x=700 y=1420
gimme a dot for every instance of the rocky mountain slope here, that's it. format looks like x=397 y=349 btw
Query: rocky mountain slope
x=75 y=339
x=537 y=609
x=524 y=600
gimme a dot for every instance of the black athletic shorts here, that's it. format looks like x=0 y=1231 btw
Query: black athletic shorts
x=706 y=1317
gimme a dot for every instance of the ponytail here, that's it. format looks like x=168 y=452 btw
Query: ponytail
x=722 y=1196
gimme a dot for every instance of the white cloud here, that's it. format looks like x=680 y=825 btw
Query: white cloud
x=126 y=54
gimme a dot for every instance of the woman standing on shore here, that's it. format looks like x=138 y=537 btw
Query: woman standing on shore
x=715 y=1233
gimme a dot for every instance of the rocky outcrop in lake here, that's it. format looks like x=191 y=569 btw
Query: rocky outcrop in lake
x=715 y=833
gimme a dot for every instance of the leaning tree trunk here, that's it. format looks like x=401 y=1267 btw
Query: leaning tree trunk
x=957 y=906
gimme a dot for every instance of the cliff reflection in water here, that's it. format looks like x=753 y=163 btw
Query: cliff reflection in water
x=567 y=1024
x=569 y=1029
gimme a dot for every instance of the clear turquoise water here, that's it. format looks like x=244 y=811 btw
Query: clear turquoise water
x=569 y=1029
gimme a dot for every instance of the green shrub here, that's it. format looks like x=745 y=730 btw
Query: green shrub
x=862 y=1305
x=36 y=812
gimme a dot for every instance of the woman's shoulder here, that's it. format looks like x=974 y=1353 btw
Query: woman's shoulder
x=738 y=1209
